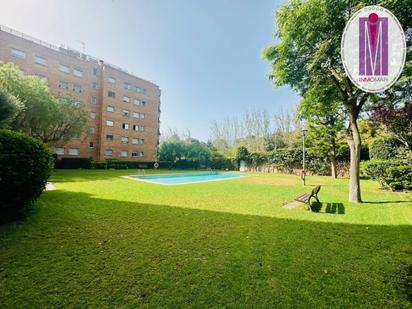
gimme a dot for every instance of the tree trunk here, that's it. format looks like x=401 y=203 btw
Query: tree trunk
x=333 y=158
x=333 y=168
x=354 y=141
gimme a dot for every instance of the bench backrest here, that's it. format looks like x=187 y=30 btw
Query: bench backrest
x=315 y=190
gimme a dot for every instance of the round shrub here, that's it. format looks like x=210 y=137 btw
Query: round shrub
x=25 y=165
x=384 y=149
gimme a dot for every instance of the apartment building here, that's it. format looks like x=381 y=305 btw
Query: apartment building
x=124 y=109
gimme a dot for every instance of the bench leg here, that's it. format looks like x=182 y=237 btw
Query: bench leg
x=308 y=203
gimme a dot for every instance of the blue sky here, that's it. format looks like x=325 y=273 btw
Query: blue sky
x=204 y=55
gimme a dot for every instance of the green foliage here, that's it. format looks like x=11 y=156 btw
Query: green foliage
x=241 y=154
x=73 y=163
x=54 y=120
x=191 y=153
x=384 y=149
x=25 y=165
x=9 y=107
x=392 y=174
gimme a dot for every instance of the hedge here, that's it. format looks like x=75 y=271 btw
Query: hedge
x=384 y=149
x=394 y=174
x=25 y=166
x=73 y=163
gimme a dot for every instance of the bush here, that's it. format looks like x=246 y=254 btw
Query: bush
x=399 y=177
x=25 y=165
x=395 y=174
x=99 y=165
x=73 y=163
x=383 y=149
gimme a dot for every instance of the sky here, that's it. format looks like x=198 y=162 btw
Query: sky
x=204 y=55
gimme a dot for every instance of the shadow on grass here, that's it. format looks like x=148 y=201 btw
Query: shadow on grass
x=386 y=202
x=116 y=241
x=330 y=208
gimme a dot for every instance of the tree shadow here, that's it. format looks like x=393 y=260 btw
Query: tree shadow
x=386 y=202
x=330 y=208
x=75 y=238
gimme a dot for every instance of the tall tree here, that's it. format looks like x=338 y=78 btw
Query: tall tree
x=52 y=119
x=308 y=51
x=9 y=107
x=323 y=113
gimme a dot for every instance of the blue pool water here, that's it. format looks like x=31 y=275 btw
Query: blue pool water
x=174 y=179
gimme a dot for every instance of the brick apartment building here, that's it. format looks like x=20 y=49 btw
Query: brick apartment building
x=124 y=109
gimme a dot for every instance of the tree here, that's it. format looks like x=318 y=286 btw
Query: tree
x=323 y=113
x=308 y=54
x=9 y=107
x=241 y=154
x=52 y=119
x=396 y=120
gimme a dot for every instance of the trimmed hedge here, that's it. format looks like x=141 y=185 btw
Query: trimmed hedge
x=73 y=163
x=395 y=174
x=25 y=166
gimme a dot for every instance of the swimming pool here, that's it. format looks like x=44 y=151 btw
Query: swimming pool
x=176 y=179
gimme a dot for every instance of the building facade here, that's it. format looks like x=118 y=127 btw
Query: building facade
x=123 y=109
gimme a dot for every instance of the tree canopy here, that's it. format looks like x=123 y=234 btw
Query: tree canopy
x=45 y=116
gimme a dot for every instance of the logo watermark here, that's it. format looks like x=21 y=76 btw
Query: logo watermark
x=373 y=49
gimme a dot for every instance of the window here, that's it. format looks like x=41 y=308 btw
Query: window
x=111 y=80
x=63 y=84
x=40 y=60
x=93 y=100
x=64 y=68
x=59 y=150
x=74 y=151
x=110 y=108
x=124 y=153
x=78 y=72
x=125 y=126
x=125 y=140
x=136 y=141
x=77 y=88
x=42 y=77
x=127 y=86
x=94 y=85
x=137 y=154
x=18 y=53
x=126 y=113
x=137 y=89
x=138 y=128
x=91 y=145
x=109 y=123
x=126 y=99
x=94 y=71
x=111 y=94
x=93 y=115
x=108 y=152
x=138 y=115
x=139 y=103
x=92 y=130
x=109 y=137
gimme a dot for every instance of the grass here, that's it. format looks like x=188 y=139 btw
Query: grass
x=103 y=241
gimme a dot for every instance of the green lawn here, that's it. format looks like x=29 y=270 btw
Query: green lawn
x=103 y=241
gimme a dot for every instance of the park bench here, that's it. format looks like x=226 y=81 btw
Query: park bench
x=305 y=197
